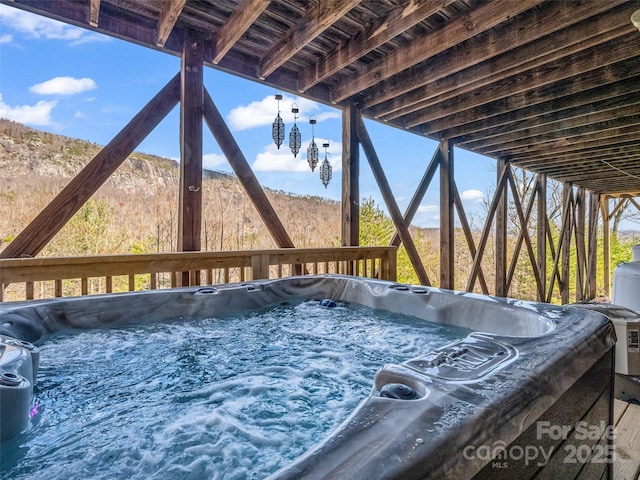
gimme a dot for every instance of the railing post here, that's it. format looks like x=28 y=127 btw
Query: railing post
x=259 y=267
x=388 y=264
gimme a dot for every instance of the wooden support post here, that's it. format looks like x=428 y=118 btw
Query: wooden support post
x=580 y=216
x=58 y=212
x=244 y=173
x=419 y=195
x=190 y=198
x=606 y=244
x=350 y=178
x=523 y=218
x=541 y=246
x=592 y=252
x=190 y=193
x=390 y=201
x=501 y=235
x=565 y=246
x=447 y=243
x=482 y=244
x=565 y=230
x=468 y=236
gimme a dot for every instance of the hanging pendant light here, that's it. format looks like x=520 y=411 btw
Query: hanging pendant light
x=325 y=168
x=294 y=136
x=277 y=129
x=312 y=150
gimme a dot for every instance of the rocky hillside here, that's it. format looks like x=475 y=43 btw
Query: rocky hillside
x=136 y=209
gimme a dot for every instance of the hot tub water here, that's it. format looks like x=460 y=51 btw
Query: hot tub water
x=235 y=397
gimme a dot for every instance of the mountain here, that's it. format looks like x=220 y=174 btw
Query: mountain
x=136 y=209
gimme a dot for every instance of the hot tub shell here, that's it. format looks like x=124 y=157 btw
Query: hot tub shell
x=532 y=378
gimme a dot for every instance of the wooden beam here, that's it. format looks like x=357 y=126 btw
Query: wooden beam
x=169 y=12
x=468 y=235
x=244 y=173
x=564 y=123
x=535 y=80
x=350 y=177
x=565 y=88
x=390 y=201
x=190 y=192
x=482 y=244
x=541 y=22
x=592 y=248
x=238 y=23
x=425 y=46
x=501 y=234
x=418 y=195
x=319 y=17
x=383 y=29
x=620 y=154
x=563 y=241
x=94 y=12
x=541 y=232
x=447 y=238
x=58 y=212
x=565 y=246
x=518 y=59
x=606 y=244
x=523 y=236
x=580 y=236
x=601 y=96
x=524 y=223
x=635 y=204
x=579 y=143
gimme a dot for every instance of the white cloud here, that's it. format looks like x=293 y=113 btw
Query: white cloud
x=38 y=27
x=212 y=160
x=428 y=208
x=38 y=114
x=272 y=159
x=64 y=86
x=6 y=38
x=262 y=113
x=472 y=195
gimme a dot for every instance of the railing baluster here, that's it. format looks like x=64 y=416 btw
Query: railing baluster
x=212 y=267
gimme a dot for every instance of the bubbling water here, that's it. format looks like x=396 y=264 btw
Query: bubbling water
x=232 y=398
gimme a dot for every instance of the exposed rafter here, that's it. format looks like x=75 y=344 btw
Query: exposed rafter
x=94 y=12
x=321 y=15
x=241 y=19
x=384 y=29
x=563 y=69
x=551 y=47
x=169 y=12
x=422 y=48
x=490 y=47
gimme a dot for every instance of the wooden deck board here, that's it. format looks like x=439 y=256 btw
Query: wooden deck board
x=627 y=441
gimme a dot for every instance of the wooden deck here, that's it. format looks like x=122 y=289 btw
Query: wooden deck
x=626 y=418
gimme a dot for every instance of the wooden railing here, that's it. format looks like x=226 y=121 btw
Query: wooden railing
x=30 y=278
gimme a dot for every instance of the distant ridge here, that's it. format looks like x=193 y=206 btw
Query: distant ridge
x=142 y=198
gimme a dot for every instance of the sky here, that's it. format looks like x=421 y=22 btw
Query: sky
x=77 y=83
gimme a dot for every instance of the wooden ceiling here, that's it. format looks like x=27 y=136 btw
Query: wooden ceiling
x=553 y=86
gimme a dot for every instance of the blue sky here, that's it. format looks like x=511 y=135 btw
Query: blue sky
x=74 y=82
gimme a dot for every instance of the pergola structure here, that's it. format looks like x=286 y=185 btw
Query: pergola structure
x=549 y=86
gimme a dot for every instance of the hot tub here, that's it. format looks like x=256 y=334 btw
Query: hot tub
x=528 y=393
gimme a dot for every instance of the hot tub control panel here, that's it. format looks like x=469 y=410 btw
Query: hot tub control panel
x=466 y=360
